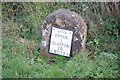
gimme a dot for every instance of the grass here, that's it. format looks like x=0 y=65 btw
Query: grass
x=101 y=61
x=18 y=64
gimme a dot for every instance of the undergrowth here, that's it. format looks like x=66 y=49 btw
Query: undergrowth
x=21 y=28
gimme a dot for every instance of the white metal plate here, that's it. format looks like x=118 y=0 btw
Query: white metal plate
x=60 y=42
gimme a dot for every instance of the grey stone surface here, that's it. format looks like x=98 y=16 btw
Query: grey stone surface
x=64 y=18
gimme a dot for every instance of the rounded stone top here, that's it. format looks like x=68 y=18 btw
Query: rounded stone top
x=65 y=18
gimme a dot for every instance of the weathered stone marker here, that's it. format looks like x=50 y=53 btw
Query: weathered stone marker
x=63 y=33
